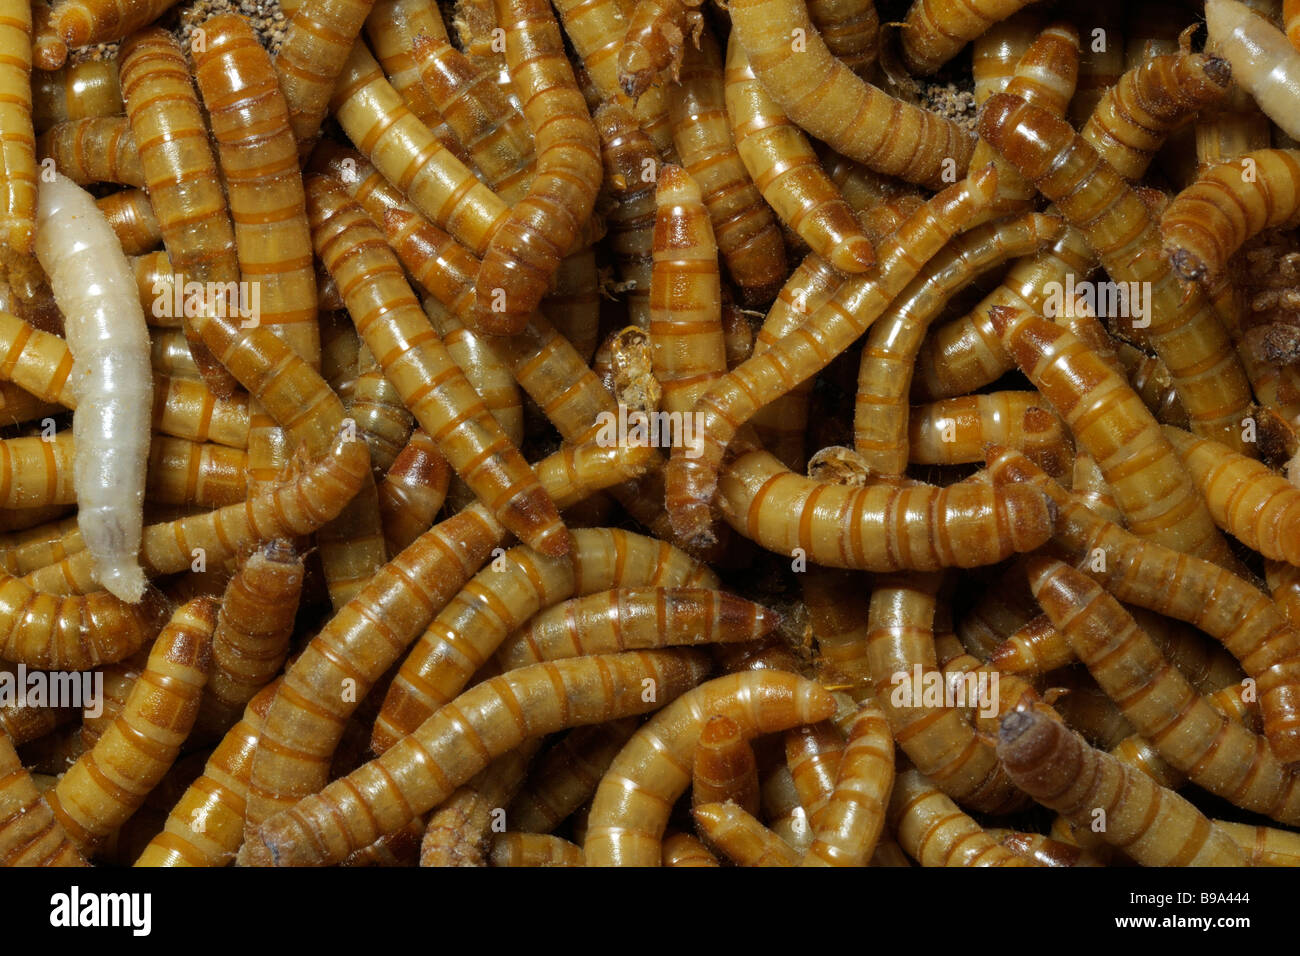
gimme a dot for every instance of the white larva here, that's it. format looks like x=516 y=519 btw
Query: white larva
x=1263 y=61
x=95 y=288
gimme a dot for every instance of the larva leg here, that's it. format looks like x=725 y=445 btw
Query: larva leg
x=743 y=839
x=316 y=44
x=460 y=831
x=1180 y=324
x=631 y=165
x=1263 y=62
x=414 y=359
x=534 y=849
x=206 y=826
x=18 y=150
x=724 y=768
x=935 y=32
x=1228 y=204
x=94 y=150
x=880 y=527
x=848 y=828
x=29 y=833
x=131 y=217
x=781 y=162
x=476 y=108
x=525 y=252
x=939 y=740
x=935 y=832
x=181 y=175
x=747 y=234
x=367 y=636
x=251 y=639
x=824 y=97
x=635 y=617
x=501 y=598
x=801 y=354
x=412 y=492
x=424 y=768
x=88 y=22
x=110 y=782
x=1153 y=489
x=632 y=803
x=567 y=775
x=95 y=288
x=682 y=849
x=955 y=431
x=1153 y=825
x=889 y=353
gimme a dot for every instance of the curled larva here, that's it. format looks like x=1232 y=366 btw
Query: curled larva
x=95 y=287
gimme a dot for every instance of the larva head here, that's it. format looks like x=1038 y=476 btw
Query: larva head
x=1048 y=71
x=1040 y=754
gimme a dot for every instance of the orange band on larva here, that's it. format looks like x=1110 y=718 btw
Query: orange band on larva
x=534 y=849
x=631 y=165
x=849 y=826
x=850 y=29
x=955 y=431
x=724 y=767
x=412 y=492
x=18 y=150
x=29 y=833
x=49 y=51
x=130 y=216
x=543 y=226
x=744 y=840
x=87 y=22
x=77 y=91
x=823 y=96
x=567 y=775
x=94 y=150
x=996 y=51
x=935 y=832
x=936 y=30
x=782 y=164
x=424 y=769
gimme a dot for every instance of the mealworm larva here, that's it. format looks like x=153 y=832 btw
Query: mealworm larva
x=108 y=783
x=881 y=527
x=1284 y=584
x=686 y=340
x=474 y=105
x=724 y=768
x=939 y=740
x=131 y=217
x=781 y=807
x=837 y=611
x=501 y=598
x=534 y=849
x=802 y=353
x=850 y=29
x=308 y=717
x=49 y=52
x=184 y=408
x=87 y=22
x=412 y=491
x=181 y=471
x=414 y=359
x=1152 y=824
x=1133 y=117
x=37 y=471
x=76 y=91
x=747 y=235
x=30 y=835
x=1228 y=204
x=525 y=252
x=782 y=164
x=1221 y=604
x=824 y=97
x=391 y=28
x=635 y=617
x=1255 y=505
x=849 y=826
x=180 y=173
x=934 y=33
x=374 y=117
x=93 y=150
x=632 y=804
x=459 y=832
x=1150 y=378
x=935 y=832
x=1153 y=489
x=23 y=722
x=206 y=826
x=656 y=40
x=955 y=431
x=18 y=154
x=106 y=333
x=1263 y=62
x=485 y=365
x=1181 y=324
x=567 y=775
x=170 y=355
x=573 y=305
x=631 y=165
x=888 y=355
x=744 y=840
x=382 y=420
x=597 y=28
x=423 y=769
x=996 y=51
x=682 y=849
x=317 y=41
x=252 y=634
x=813 y=755
x=1263 y=846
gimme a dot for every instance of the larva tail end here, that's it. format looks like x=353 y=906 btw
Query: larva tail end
x=254 y=852
x=854 y=256
x=125 y=582
x=1007 y=659
x=73 y=25
x=634 y=72
x=995 y=122
x=50 y=55
x=1187 y=264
